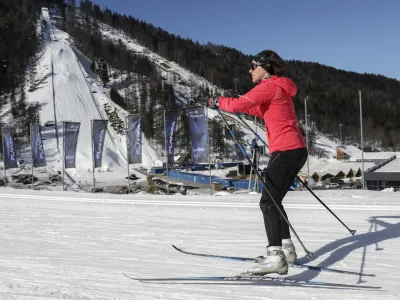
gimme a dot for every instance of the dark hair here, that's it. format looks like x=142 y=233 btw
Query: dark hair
x=271 y=62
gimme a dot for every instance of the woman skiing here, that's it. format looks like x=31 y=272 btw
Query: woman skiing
x=272 y=100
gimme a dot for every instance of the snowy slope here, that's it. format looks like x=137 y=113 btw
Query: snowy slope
x=66 y=93
x=393 y=166
x=329 y=146
x=168 y=69
x=63 y=245
x=74 y=102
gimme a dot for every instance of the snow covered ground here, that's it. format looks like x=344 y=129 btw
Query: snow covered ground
x=65 y=245
x=329 y=146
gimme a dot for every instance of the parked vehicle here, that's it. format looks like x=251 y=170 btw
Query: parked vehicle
x=96 y=190
x=49 y=123
x=124 y=190
x=118 y=190
x=332 y=185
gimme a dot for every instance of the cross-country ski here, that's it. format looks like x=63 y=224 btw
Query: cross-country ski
x=255 y=278
x=259 y=259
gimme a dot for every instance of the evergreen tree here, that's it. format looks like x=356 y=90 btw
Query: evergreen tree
x=133 y=100
x=157 y=113
x=117 y=98
x=172 y=105
x=387 y=141
x=93 y=66
x=217 y=133
x=143 y=97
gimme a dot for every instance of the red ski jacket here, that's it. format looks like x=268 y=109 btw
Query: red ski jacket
x=272 y=100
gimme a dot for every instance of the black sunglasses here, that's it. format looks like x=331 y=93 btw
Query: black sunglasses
x=254 y=66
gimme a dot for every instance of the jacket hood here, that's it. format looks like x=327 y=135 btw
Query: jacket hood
x=285 y=83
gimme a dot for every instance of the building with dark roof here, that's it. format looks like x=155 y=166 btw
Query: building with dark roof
x=384 y=175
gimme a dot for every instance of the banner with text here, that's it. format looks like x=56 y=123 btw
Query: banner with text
x=10 y=154
x=134 y=139
x=99 y=129
x=38 y=155
x=170 y=128
x=198 y=134
x=71 y=133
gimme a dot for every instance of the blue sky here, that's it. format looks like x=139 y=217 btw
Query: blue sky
x=354 y=35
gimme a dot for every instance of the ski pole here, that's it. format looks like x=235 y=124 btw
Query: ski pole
x=308 y=253
x=298 y=177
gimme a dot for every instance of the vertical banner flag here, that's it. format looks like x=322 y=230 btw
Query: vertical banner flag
x=98 y=136
x=10 y=154
x=198 y=134
x=38 y=156
x=134 y=139
x=71 y=133
x=170 y=126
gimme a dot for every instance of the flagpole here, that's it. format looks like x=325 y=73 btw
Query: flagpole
x=257 y=160
x=166 y=148
x=31 y=156
x=251 y=172
x=93 y=163
x=4 y=160
x=208 y=142
x=308 y=157
x=127 y=153
x=63 y=155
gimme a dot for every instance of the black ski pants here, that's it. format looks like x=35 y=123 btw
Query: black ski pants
x=282 y=169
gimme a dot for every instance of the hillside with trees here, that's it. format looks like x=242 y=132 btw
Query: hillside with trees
x=21 y=41
x=333 y=94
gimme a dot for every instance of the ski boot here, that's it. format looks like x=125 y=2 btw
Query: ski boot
x=273 y=262
x=290 y=251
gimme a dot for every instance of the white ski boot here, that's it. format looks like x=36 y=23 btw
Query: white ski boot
x=289 y=250
x=273 y=262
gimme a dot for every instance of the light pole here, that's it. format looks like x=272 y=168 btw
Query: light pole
x=362 y=141
x=340 y=127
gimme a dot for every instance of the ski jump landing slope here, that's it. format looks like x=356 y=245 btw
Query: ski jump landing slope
x=73 y=100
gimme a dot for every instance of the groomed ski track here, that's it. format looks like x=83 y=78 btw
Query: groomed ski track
x=78 y=245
